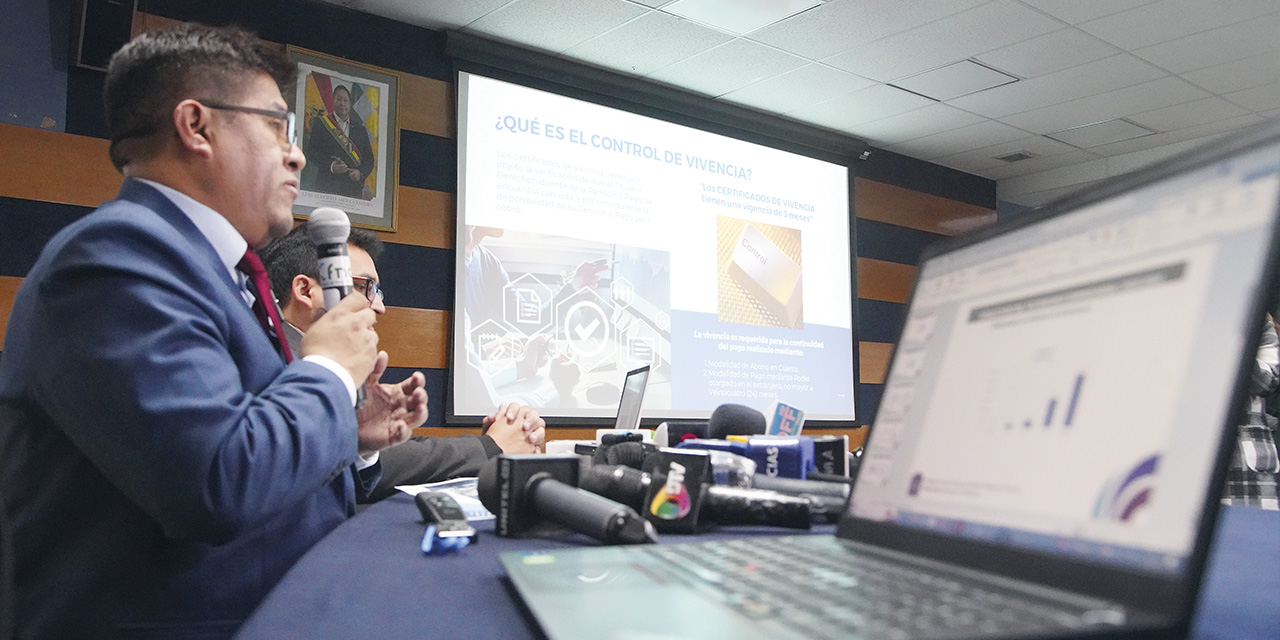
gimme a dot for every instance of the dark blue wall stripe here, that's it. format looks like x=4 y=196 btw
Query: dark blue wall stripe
x=84 y=103
x=880 y=321
x=890 y=242
x=28 y=226
x=428 y=162
x=899 y=170
x=419 y=277
x=435 y=386
x=868 y=401
x=324 y=27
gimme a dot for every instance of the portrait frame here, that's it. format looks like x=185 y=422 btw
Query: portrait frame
x=367 y=143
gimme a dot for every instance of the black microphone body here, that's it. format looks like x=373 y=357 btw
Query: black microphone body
x=677 y=497
x=524 y=490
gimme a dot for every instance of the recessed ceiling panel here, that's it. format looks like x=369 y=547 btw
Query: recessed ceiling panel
x=1100 y=133
x=738 y=16
x=954 y=80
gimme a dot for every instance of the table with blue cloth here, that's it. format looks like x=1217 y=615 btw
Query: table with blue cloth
x=369 y=579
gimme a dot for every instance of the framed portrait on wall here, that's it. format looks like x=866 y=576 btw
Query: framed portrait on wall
x=346 y=115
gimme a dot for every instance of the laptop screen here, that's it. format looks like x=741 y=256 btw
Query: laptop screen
x=633 y=388
x=1063 y=386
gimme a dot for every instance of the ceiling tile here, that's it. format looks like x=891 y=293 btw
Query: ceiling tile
x=1171 y=19
x=844 y=112
x=1237 y=75
x=1038 y=165
x=794 y=89
x=964 y=35
x=1216 y=46
x=1190 y=133
x=1106 y=106
x=956 y=140
x=730 y=66
x=1062 y=49
x=1263 y=98
x=1188 y=114
x=738 y=16
x=1041 y=198
x=1077 y=11
x=438 y=14
x=555 y=25
x=1085 y=80
x=954 y=80
x=984 y=158
x=917 y=123
x=648 y=43
x=841 y=24
x=648 y=3
x=1100 y=133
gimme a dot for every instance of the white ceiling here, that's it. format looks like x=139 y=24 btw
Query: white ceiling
x=1184 y=69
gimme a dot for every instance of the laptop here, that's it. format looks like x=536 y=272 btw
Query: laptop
x=1052 y=439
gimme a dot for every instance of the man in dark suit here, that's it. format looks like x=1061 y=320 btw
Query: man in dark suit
x=292 y=265
x=338 y=146
x=161 y=464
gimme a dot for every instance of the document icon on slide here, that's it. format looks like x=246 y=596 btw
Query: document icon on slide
x=528 y=306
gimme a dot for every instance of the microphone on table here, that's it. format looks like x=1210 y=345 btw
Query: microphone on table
x=328 y=228
x=674 y=491
x=522 y=490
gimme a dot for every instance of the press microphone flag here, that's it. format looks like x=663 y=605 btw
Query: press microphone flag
x=328 y=229
x=784 y=420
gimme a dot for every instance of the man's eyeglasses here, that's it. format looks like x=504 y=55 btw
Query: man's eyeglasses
x=288 y=133
x=368 y=287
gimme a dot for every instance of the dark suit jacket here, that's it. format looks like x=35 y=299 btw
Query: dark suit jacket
x=162 y=467
x=321 y=150
x=421 y=459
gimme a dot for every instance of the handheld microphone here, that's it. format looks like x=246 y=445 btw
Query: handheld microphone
x=328 y=229
x=735 y=420
x=827 y=499
x=524 y=489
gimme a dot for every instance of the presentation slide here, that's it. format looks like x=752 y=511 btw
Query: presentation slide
x=592 y=241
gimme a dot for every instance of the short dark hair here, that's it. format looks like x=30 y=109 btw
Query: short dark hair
x=295 y=254
x=155 y=71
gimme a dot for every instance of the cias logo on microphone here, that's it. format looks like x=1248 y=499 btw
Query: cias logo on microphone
x=672 y=500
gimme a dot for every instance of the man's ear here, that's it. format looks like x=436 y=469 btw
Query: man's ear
x=301 y=290
x=191 y=122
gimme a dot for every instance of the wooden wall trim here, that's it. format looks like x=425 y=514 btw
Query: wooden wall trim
x=873 y=361
x=856 y=435
x=427 y=106
x=415 y=338
x=8 y=290
x=52 y=166
x=883 y=280
x=897 y=205
x=426 y=218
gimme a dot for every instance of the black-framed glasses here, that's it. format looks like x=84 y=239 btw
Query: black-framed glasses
x=368 y=286
x=288 y=137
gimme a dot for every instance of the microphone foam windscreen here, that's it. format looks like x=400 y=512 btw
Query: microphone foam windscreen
x=735 y=420
x=328 y=225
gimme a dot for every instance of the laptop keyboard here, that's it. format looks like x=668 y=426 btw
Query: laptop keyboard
x=821 y=590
